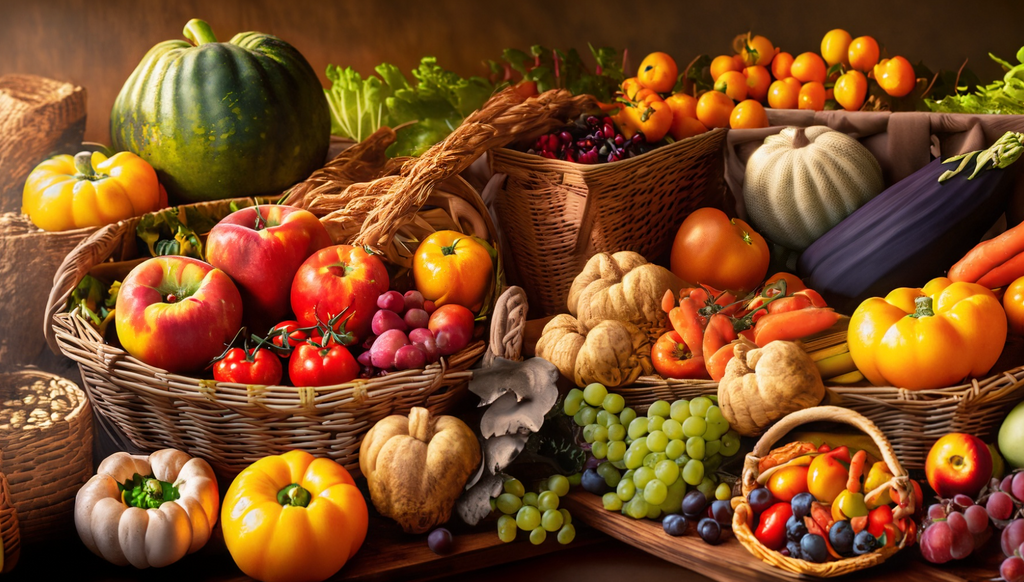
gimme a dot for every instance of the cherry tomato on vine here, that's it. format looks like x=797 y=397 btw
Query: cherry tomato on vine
x=295 y=335
x=260 y=367
x=313 y=365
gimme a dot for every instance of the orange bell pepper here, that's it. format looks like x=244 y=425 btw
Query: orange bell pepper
x=928 y=338
x=645 y=113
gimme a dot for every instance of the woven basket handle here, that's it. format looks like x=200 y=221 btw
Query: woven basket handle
x=506 y=117
x=95 y=249
x=831 y=414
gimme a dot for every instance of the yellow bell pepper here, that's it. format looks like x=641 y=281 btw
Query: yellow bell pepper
x=66 y=192
x=927 y=338
x=293 y=518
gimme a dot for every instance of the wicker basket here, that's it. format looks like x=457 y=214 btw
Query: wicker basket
x=10 y=532
x=555 y=214
x=47 y=463
x=742 y=521
x=232 y=425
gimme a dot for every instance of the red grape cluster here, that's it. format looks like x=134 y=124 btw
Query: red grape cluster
x=589 y=140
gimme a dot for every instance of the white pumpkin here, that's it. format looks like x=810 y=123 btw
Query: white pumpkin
x=803 y=181
x=183 y=498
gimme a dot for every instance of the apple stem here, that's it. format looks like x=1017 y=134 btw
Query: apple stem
x=260 y=222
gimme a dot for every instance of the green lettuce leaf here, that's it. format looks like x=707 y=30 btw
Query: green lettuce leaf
x=358 y=106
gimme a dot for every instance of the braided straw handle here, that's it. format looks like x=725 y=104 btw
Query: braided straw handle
x=506 y=117
x=900 y=480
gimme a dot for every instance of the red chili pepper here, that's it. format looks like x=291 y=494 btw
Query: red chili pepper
x=793 y=325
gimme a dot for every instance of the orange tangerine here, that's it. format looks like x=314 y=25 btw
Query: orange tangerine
x=812 y=96
x=835 y=47
x=895 y=76
x=863 y=53
x=721 y=64
x=782 y=95
x=851 y=90
x=682 y=104
x=714 y=109
x=794 y=83
x=809 y=67
x=684 y=126
x=733 y=84
x=758 y=80
x=658 y=71
x=781 y=65
x=748 y=115
x=757 y=50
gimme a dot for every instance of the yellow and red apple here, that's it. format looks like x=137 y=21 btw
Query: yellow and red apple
x=177 y=313
x=261 y=248
x=339 y=280
x=958 y=463
x=827 y=476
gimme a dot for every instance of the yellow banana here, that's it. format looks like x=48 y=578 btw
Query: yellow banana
x=849 y=378
x=837 y=365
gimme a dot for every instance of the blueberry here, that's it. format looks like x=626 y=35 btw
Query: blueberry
x=593 y=482
x=675 y=524
x=841 y=537
x=795 y=528
x=813 y=548
x=864 y=543
x=794 y=550
x=802 y=504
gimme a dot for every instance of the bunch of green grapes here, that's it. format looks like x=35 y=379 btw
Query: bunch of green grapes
x=673 y=447
x=537 y=513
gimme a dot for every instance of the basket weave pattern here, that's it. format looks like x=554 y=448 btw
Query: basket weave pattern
x=742 y=518
x=10 y=531
x=46 y=466
x=556 y=214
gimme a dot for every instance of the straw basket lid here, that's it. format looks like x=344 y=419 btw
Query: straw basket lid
x=743 y=517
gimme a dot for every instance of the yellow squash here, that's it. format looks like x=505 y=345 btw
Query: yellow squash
x=293 y=518
x=928 y=338
x=65 y=192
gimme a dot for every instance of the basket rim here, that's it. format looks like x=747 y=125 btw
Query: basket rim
x=74 y=414
x=523 y=158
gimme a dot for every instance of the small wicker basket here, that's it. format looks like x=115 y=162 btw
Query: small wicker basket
x=556 y=214
x=45 y=461
x=10 y=532
x=742 y=521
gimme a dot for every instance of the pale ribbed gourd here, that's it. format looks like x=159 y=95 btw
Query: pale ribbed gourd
x=803 y=181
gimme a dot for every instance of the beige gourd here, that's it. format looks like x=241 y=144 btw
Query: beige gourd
x=761 y=385
x=803 y=181
x=154 y=537
x=616 y=301
x=416 y=467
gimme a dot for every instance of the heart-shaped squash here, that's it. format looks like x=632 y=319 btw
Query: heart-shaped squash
x=416 y=467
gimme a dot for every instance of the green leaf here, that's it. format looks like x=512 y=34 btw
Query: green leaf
x=357 y=106
x=699 y=76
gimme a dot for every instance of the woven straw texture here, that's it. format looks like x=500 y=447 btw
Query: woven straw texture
x=10 y=532
x=742 y=519
x=46 y=465
x=555 y=214
x=232 y=425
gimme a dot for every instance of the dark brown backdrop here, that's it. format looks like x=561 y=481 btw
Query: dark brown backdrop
x=97 y=43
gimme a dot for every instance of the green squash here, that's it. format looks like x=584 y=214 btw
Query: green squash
x=223 y=120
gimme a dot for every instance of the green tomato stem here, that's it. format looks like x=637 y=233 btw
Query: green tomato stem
x=198 y=32
x=295 y=495
x=83 y=165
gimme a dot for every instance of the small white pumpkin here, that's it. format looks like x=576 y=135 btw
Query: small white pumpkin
x=179 y=524
x=803 y=181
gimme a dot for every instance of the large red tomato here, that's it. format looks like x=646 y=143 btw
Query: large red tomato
x=340 y=278
x=712 y=249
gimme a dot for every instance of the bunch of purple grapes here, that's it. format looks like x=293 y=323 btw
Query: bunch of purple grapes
x=1003 y=504
x=589 y=140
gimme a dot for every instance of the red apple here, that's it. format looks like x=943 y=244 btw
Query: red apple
x=452 y=325
x=338 y=279
x=177 y=313
x=261 y=248
x=958 y=463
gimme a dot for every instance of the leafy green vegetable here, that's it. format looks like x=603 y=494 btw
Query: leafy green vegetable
x=95 y=301
x=169 y=232
x=556 y=69
x=438 y=103
x=1005 y=96
x=147 y=492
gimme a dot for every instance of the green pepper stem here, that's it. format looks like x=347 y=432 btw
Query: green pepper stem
x=923 y=307
x=83 y=165
x=198 y=32
x=448 y=251
x=295 y=495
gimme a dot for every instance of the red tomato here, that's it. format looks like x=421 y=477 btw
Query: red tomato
x=292 y=331
x=312 y=365
x=673 y=359
x=712 y=249
x=261 y=367
x=771 y=529
x=878 y=519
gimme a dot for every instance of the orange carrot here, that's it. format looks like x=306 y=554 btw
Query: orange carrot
x=793 y=325
x=988 y=255
x=718 y=333
x=1004 y=274
x=856 y=470
x=687 y=323
x=668 y=301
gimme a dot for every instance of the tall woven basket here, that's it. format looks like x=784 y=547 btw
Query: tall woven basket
x=556 y=214
x=742 y=521
x=45 y=450
x=232 y=425
x=10 y=532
